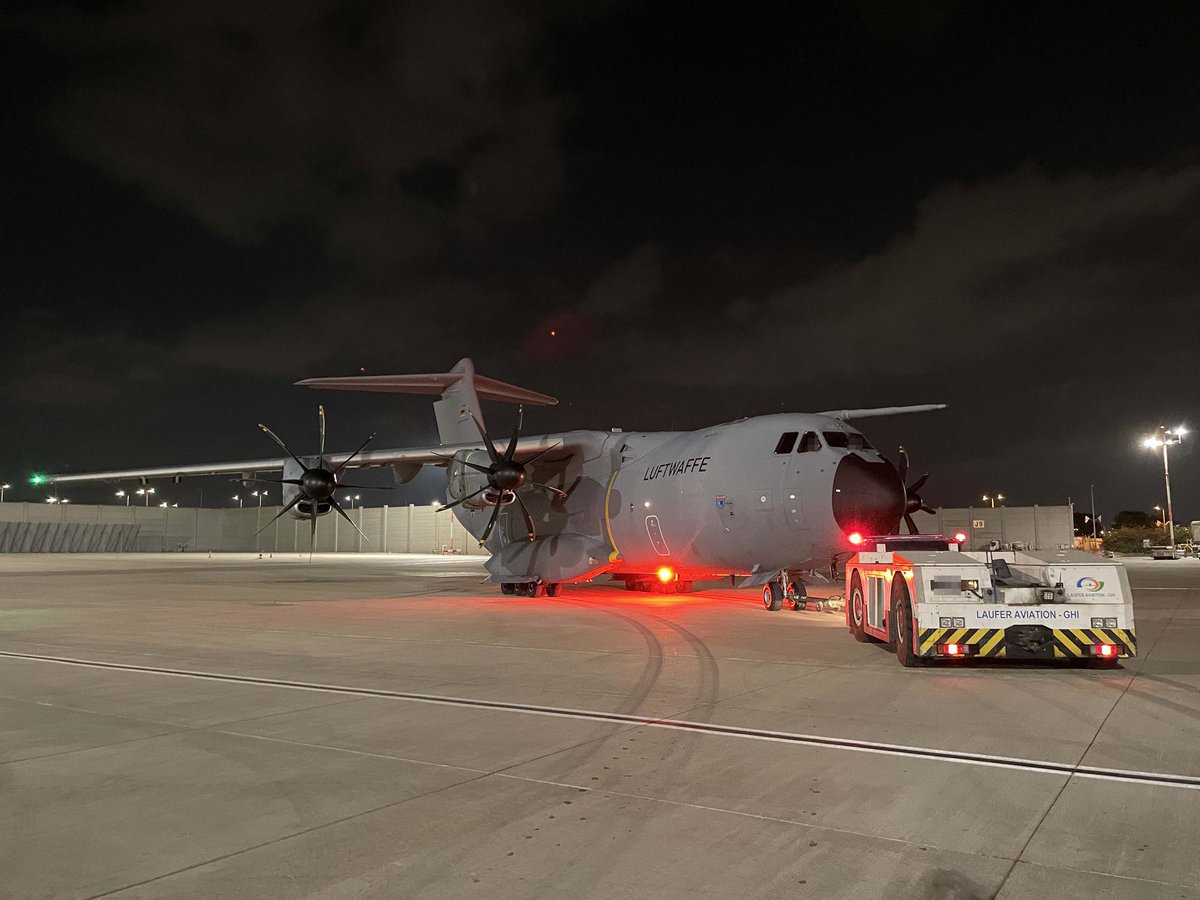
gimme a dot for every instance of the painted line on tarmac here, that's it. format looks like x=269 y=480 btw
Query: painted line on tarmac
x=1015 y=763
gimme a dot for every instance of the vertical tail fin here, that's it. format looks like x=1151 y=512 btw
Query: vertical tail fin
x=460 y=389
x=459 y=402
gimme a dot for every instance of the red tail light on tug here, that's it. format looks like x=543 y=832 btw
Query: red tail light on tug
x=854 y=538
x=1108 y=651
x=665 y=574
x=960 y=538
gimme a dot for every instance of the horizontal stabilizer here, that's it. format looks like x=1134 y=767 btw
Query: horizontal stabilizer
x=881 y=411
x=433 y=383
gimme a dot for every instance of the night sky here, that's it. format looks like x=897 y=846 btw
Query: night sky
x=721 y=212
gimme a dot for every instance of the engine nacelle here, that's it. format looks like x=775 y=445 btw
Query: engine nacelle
x=463 y=482
x=303 y=509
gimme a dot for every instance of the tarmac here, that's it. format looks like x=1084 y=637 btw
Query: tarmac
x=359 y=726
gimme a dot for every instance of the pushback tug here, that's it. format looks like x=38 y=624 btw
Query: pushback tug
x=929 y=599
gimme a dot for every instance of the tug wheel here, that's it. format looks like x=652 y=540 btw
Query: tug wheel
x=858 y=610
x=902 y=626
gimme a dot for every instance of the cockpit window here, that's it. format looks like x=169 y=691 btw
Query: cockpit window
x=837 y=439
x=787 y=441
x=859 y=442
x=810 y=443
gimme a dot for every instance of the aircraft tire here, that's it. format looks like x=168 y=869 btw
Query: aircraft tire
x=773 y=596
x=857 y=607
x=553 y=589
x=683 y=587
x=902 y=627
x=508 y=587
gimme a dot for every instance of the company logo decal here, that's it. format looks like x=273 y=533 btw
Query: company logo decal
x=1089 y=584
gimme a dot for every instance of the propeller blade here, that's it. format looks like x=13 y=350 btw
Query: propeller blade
x=903 y=465
x=512 y=444
x=312 y=538
x=362 y=446
x=470 y=465
x=912 y=526
x=487 y=532
x=928 y=509
x=296 y=500
x=541 y=453
x=487 y=441
x=918 y=484
x=463 y=500
x=273 y=436
x=341 y=512
x=366 y=487
x=485 y=469
x=546 y=487
x=321 y=417
x=528 y=517
x=266 y=480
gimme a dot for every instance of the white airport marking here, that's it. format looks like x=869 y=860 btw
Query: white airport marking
x=1015 y=763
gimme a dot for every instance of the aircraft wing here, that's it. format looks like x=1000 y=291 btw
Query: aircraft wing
x=407 y=460
x=877 y=411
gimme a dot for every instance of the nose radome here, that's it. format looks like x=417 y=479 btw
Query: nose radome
x=868 y=497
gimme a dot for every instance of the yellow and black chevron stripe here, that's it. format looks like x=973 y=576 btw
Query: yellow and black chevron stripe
x=1071 y=643
x=1067 y=643
x=986 y=641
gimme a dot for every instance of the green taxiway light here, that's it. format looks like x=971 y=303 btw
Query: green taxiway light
x=35 y=480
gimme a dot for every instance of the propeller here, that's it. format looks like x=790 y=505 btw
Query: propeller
x=316 y=484
x=912 y=500
x=505 y=475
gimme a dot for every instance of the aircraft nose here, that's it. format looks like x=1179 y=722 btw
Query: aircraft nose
x=868 y=497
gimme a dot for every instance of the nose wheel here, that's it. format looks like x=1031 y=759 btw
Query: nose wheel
x=773 y=596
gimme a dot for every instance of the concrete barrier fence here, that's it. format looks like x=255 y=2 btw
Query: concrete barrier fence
x=57 y=527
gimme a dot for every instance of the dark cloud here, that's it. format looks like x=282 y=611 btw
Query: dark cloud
x=397 y=127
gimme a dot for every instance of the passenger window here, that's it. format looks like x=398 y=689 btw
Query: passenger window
x=787 y=441
x=859 y=442
x=837 y=439
x=809 y=443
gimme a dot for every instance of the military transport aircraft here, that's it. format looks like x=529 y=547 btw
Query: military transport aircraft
x=763 y=497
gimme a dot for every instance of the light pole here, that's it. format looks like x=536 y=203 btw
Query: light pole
x=146 y=494
x=1166 y=437
x=993 y=500
x=1162 y=516
x=238 y=499
x=3 y=488
x=353 y=500
x=125 y=495
x=259 y=495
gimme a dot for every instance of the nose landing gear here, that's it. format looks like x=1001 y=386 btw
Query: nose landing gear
x=781 y=590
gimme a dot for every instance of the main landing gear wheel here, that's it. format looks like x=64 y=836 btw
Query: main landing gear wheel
x=553 y=589
x=773 y=596
x=507 y=587
x=902 y=626
x=858 y=610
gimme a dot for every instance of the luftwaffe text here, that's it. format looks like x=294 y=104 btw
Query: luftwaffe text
x=683 y=466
